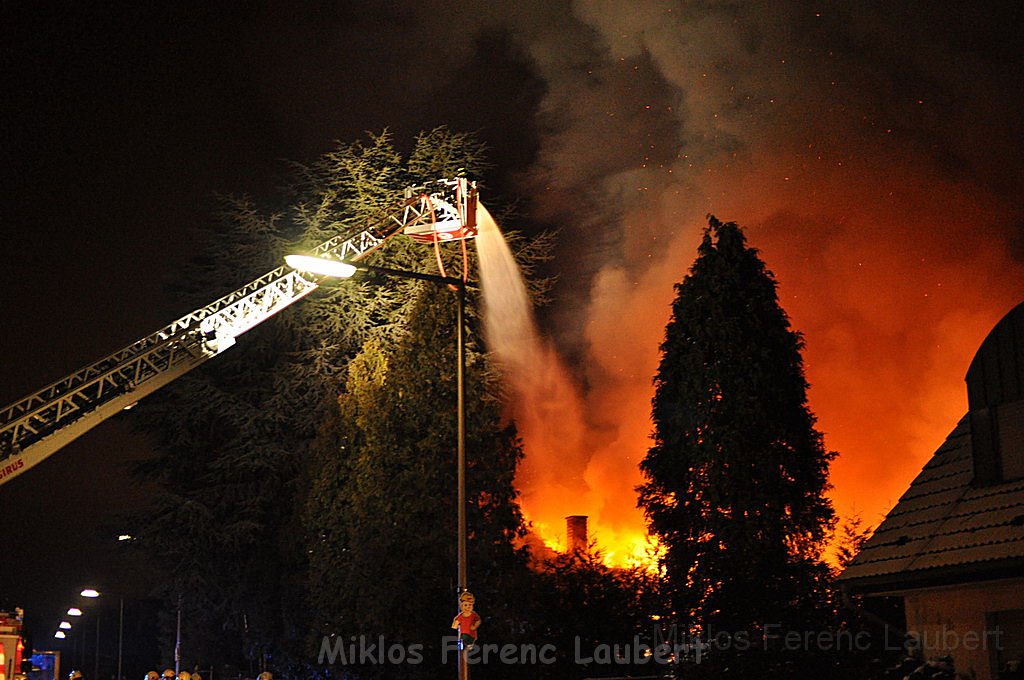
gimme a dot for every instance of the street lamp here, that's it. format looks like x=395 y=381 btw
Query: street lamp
x=74 y=611
x=92 y=593
x=339 y=269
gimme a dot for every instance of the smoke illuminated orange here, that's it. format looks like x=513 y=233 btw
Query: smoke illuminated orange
x=890 y=288
x=874 y=159
x=871 y=157
x=571 y=464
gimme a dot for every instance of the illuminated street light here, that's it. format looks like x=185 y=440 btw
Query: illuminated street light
x=124 y=537
x=318 y=265
x=92 y=592
x=59 y=635
x=64 y=625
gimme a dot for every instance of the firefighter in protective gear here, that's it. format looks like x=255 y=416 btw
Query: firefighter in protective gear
x=152 y=675
x=265 y=675
x=184 y=675
x=75 y=675
x=168 y=673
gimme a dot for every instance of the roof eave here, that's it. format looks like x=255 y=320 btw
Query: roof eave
x=900 y=582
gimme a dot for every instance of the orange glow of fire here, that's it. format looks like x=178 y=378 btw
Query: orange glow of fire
x=893 y=274
x=620 y=549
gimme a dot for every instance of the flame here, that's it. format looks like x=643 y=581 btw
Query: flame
x=881 y=186
x=580 y=460
x=893 y=271
x=893 y=277
x=891 y=288
x=628 y=548
x=895 y=274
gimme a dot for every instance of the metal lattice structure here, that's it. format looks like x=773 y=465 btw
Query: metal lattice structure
x=35 y=427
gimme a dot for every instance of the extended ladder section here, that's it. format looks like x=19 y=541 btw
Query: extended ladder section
x=39 y=425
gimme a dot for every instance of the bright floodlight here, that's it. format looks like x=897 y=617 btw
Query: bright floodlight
x=74 y=611
x=319 y=265
x=125 y=537
x=64 y=625
x=89 y=592
x=59 y=635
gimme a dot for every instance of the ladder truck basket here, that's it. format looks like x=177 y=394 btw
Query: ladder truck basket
x=447 y=211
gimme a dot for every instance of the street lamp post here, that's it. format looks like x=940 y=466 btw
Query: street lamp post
x=120 y=635
x=92 y=593
x=335 y=268
x=177 y=640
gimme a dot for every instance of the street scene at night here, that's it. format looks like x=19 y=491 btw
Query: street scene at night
x=558 y=340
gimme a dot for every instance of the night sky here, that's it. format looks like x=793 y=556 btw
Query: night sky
x=873 y=151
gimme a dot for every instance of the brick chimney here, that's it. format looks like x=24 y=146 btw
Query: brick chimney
x=576 y=533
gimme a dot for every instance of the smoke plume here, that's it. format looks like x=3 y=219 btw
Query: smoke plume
x=872 y=154
x=871 y=151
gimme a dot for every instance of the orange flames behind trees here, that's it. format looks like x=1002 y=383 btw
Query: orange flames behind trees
x=872 y=153
x=894 y=280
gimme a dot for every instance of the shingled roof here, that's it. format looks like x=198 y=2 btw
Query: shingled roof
x=958 y=522
x=943 y=524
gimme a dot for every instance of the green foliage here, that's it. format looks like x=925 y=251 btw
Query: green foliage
x=442 y=153
x=736 y=477
x=384 y=493
x=238 y=436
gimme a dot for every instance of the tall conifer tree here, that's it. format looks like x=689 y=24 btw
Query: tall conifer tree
x=736 y=477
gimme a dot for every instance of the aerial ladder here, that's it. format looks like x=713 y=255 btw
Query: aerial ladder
x=39 y=425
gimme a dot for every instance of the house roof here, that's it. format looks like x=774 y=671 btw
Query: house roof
x=943 y=527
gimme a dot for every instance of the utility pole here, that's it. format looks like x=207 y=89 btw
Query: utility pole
x=120 y=637
x=177 y=641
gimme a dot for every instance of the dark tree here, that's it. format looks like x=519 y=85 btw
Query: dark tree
x=736 y=477
x=583 y=607
x=850 y=538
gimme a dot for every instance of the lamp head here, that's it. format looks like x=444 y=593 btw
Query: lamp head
x=320 y=265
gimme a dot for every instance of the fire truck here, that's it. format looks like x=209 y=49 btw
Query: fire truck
x=12 y=646
x=37 y=426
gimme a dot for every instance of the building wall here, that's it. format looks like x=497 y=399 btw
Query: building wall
x=959 y=621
